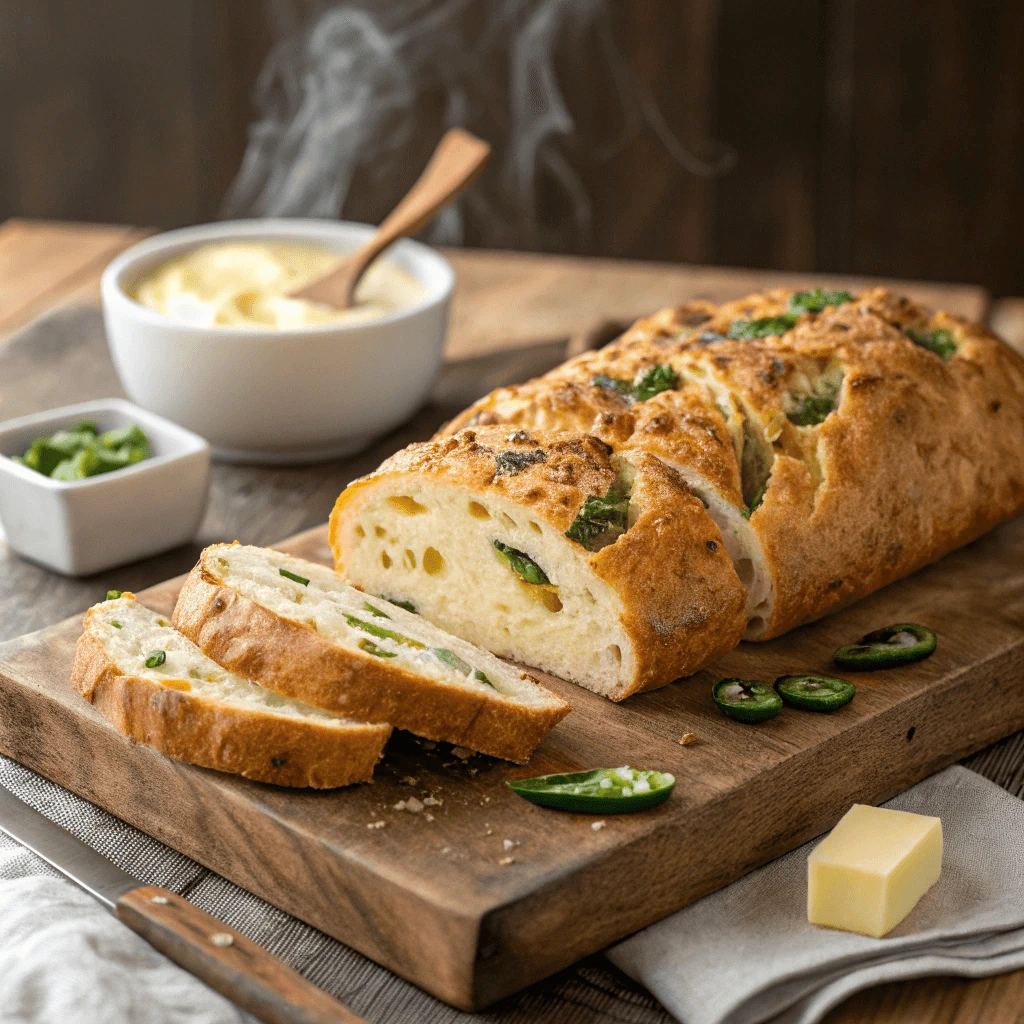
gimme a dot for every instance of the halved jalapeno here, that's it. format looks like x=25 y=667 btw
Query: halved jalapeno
x=889 y=647
x=812 y=692
x=746 y=700
x=600 y=791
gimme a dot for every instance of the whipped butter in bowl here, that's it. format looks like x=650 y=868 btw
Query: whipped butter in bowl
x=202 y=331
x=245 y=283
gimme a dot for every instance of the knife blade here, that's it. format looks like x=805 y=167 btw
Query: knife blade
x=220 y=956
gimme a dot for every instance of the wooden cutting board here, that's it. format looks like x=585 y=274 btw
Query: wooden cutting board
x=482 y=894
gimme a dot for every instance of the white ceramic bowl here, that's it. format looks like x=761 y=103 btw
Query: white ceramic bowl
x=278 y=396
x=78 y=527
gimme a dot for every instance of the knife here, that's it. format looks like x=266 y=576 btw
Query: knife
x=226 y=960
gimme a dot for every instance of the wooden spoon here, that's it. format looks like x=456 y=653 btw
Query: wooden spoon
x=455 y=165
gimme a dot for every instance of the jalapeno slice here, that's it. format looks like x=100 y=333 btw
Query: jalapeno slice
x=746 y=700
x=599 y=791
x=889 y=647
x=812 y=692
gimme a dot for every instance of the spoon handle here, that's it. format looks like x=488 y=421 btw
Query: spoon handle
x=456 y=163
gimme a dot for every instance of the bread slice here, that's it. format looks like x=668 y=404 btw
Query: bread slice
x=496 y=535
x=158 y=688
x=301 y=631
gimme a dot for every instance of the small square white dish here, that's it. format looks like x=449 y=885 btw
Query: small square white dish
x=81 y=527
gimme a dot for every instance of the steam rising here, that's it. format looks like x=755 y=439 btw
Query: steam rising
x=351 y=103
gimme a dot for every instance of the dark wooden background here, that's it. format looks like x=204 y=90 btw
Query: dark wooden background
x=871 y=137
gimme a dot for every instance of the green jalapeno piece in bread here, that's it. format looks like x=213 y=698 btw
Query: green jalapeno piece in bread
x=811 y=692
x=746 y=700
x=890 y=647
x=599 y=791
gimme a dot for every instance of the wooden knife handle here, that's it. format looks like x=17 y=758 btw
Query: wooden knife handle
x=227 y=961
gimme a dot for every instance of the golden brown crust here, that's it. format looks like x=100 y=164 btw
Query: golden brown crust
x=688 y=610
x=293 y=660
x=909 y=466
x=267 y=748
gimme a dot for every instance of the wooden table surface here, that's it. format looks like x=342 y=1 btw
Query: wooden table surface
x=507 y=300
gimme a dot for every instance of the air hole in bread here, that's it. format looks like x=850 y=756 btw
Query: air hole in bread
x=433 y=562
x=478 y=511
x=616 y=653
x=550 y=601
x=409 y=559
x=589 y=596
x=507 y=521
x=385 y=560
x=535 y=527
x=745 y=571
x=380 y=531
x=360 y=532
x=406 y=504
x=754 y=625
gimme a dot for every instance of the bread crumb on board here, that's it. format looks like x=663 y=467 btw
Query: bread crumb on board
x=687 y=738
x=412 y=804
x=377 y=824
x=505 y=861
x=597 y=825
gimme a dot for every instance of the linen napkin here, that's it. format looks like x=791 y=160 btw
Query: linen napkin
x=746 y=954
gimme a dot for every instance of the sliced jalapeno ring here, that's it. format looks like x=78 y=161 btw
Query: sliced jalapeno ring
x=812 y=692
x=746 y=700
x=890 y=647
x=599 y=791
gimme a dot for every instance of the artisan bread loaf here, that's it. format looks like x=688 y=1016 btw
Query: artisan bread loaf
x=599 y=567
x=831 y=443
x=158 y=688
x=299 y=630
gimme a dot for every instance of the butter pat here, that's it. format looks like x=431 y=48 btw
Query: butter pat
x=872 y=869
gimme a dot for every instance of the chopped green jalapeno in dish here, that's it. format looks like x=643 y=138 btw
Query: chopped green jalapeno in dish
x=939 y=341
x=375 y=611
x=746 y=700
x=84 y=452
x=407 y=605
x=481 y=678
x=452 y=660
x=812 y=692
x=156 y=659
x=766 y=327
x=294 y=576
x=116 y=625
x=113 y=595
x=600 y=791
x=816 y=301
x=889 y=647
x=599 y=516
x=522 y=564
x=384 y=634
x=371 y=648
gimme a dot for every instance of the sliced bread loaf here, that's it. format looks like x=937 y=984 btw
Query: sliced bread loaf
x=158 y=688
x=549 y=549
x=298 y=629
